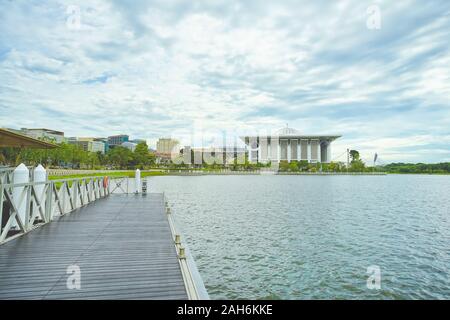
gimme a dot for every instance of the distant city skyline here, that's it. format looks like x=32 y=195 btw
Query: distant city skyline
x=153 y=69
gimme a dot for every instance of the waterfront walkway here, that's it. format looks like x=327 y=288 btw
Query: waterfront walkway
x=122 y=245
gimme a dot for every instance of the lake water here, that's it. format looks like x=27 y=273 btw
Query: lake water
x=313 y=237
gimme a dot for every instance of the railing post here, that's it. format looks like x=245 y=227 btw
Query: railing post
x=93 y=197
x=27 y=208
x=75 y=194
x=63 y=196
x=86 y=191
x=2 y=189
x=40 y=175
x=87 y=196
x=82 y=187
x=49 y=201
x=91 y=187
x=20 y=175
x=80 y=192
x=89 y=190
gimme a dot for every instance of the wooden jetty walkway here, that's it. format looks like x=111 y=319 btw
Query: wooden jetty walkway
x=123 y=245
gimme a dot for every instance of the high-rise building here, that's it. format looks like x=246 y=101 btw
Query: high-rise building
x=89 y=144
x=105 y=143
x=166 y=146
x=117 y=140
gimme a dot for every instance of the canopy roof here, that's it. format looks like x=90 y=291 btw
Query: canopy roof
x=291 y=133
x=15 y=140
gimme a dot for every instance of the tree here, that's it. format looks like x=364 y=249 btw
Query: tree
x=334 y=167
x=354 y=155
x=417 y=168
x=120 y=156
x=284 y=165
x=93 y=160
x=62 y=156
x=356 y=165
x=314 y=167
x=302 y=165
x=141 y=155
x=293 y=166
x=2 y=159
x=102 y=159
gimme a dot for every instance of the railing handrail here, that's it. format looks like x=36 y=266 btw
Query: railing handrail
x=9 y=185
x=195 y=288
x=10 y=169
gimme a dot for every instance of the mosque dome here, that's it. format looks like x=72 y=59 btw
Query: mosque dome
x=287 y=131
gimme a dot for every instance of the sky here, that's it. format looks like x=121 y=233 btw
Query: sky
x=375 y=72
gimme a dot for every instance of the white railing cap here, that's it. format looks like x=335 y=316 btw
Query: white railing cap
x=21 y=168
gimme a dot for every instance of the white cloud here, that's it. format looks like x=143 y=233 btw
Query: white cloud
x=153 y=68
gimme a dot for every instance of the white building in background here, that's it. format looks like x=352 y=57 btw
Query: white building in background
x=129 y=145
x=89 y=144
x=42 y=133
x=220 y=155
x=288 y=144
x=166 y=145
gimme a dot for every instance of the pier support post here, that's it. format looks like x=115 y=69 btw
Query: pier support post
x=137 y=181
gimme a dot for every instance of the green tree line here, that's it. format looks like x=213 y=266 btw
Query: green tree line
x=431 y=168
x=355 y=165
x=73 y=156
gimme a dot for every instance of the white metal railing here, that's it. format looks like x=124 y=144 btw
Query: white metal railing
x=7 y=174
x=63 y=172
x=121 y=185
x=26 y=206
x=193 y=282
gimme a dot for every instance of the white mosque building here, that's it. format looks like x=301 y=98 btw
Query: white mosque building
x=287 y=144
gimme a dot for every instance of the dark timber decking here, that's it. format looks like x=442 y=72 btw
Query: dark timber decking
x=122 y=244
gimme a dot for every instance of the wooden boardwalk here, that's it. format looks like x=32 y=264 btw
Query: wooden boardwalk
x=122 y=244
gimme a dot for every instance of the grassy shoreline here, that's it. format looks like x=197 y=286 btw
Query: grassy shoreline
x=144 y=174
x=129 y=174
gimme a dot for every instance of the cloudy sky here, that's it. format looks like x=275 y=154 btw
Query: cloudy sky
x=161 y=68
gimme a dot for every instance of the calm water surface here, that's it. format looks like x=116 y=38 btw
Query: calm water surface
x=303 y=237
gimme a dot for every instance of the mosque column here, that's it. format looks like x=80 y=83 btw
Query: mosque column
x=328 y=151
x=278 y=151
x=319 y=154
x=289 y=150
x=309 y=151
x=258 y=152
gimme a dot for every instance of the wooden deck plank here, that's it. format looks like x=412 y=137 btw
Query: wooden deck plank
x=122 y=244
